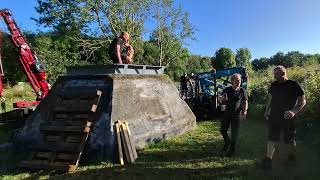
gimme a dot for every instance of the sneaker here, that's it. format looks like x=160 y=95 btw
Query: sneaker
x=265 y=163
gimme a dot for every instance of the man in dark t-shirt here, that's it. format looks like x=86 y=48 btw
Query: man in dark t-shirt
x=120 y=50
x=286 y=99
x=184 y=80
x=236 y=100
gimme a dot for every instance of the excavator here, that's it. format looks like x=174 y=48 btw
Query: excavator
x=34 y=68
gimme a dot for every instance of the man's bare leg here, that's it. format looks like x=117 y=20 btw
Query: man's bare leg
x=267 y=161
x=270 y=149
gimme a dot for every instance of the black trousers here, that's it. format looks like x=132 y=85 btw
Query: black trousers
x=233 y=120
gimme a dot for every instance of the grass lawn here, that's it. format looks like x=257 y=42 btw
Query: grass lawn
x=22 y=92
x=194 y=155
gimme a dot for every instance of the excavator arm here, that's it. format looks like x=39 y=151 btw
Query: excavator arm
x=34 y=69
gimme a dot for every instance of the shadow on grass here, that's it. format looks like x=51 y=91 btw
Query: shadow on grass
x=139 y=171
x=194 y=153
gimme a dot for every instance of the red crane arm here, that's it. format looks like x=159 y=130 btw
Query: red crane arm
x=34 y=69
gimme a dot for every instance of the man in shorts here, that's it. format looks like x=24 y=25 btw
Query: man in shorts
x=286 y=100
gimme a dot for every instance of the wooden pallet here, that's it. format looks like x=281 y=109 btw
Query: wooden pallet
x=15 y=117
x=126 y=148
x=64 y=135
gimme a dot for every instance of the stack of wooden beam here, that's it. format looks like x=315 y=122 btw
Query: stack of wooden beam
x=126 y=148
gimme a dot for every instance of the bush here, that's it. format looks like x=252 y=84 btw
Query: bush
x=259 y=83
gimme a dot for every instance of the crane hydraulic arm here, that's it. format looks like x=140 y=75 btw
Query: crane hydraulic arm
x=34 y=69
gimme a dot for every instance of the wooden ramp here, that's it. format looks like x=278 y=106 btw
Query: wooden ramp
x=65 y=134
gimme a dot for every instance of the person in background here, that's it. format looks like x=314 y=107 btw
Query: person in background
x=236 y=100
x=184 y=80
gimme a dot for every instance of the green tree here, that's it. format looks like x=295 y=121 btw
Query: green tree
x=172 y=30
x=197 y=64
x=109 y=18
x=278 y=59
x=178 y=67
x=150 y=55
x=58 y=53
x=13 y=71
x=92 y=24
x=317 y=56
x=260 y=64
x=309 y=60
x=174 y=55
x=293 y=58
x=224 y=58
x=206 y=64
x=243 y=57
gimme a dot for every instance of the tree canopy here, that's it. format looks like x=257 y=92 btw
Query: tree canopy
x=224 y=58
x=85 y=29
x=82 y=30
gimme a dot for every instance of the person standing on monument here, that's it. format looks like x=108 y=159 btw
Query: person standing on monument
x=120 y=51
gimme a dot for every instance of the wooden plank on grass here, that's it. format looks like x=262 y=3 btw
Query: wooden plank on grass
x=132 y=145
x=126 y=123
x=126 y=142
x=117 y=129
x=125 y=148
